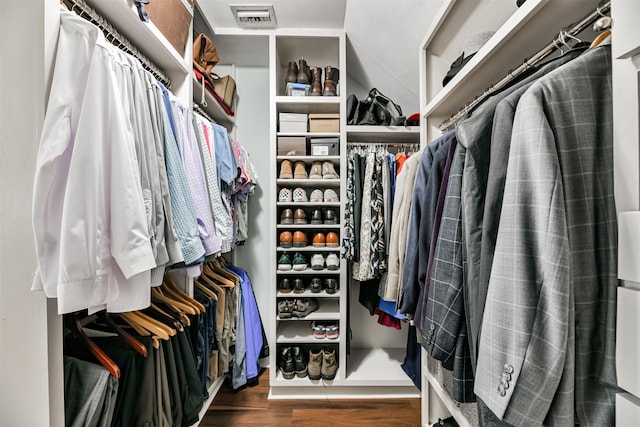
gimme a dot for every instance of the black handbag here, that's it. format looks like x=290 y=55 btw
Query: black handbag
x=447 y=422
x=375 y=109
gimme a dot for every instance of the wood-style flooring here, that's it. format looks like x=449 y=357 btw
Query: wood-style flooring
x=251 y=407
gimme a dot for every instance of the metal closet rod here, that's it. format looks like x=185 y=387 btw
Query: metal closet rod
x=560 y=40
x=198 y=109
x=115 y=38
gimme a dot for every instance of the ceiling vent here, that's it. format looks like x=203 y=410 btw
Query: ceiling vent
x=254 y=16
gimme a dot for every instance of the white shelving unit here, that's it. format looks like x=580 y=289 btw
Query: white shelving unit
x=387 y=134
x=211 y=105
x=519 y=33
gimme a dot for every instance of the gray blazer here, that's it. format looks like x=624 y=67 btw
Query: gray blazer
x=547 y=346
x=481 y=163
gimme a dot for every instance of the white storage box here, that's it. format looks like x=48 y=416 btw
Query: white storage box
x=293 y=122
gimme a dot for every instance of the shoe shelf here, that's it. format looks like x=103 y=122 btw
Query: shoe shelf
x=308 y=249
x=310 y=159
x=311 y=135
x=307 y=226
x=308 y=271
x=310 y=182
x=303 y=382
x=381 y=366
x=310 y=204
x=299 y=332
x=308 y=294
x=329 y=309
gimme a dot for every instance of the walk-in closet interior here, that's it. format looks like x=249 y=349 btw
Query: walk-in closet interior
x=344 y=199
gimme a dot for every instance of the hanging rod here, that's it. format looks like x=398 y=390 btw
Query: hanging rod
x=365 y=144
x=198 y=109
x=112 y=35
x=602 y=10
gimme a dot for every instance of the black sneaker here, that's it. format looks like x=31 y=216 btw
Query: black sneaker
x=330 y=217
x=300 y=362
x=331 y=286
x=316 y=285
x=286 y=363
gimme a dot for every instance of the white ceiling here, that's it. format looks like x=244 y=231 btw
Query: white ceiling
x=383 y=37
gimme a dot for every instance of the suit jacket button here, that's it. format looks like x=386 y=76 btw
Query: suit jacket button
x=502 y=391
x=504 y=384
x=432 y=327
x=506 y=376
x=508 y=368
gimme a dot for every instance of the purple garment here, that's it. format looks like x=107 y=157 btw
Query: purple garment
x=252 y=323
x=194 y=173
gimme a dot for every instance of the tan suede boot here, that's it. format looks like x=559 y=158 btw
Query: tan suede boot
x=315 y=363
x=329 y=363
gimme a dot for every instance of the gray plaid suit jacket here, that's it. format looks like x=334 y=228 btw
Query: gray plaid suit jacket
x=547 y=346
x=444 y=328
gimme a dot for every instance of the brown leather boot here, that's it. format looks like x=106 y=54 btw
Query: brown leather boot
x=292 y=72
x=316 y=81
x=331 y=77
x=304 y=74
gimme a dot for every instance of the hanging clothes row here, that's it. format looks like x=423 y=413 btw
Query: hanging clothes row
x=129 y=181
x=510 y=263
x=163 y=359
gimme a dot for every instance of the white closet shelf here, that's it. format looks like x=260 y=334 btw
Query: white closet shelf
x=307 y=226
x=310 y=182
x=449 y=403
x=309 y=159
x=123 y=15
x=213 y=108
x=308 y=294
x=311 y=134
x=533 y=25
x=300 y=332
x=304 y=382
x=378 y=366
x=309 y=272
x=309 y=248
x=329 y=309
x=309 y=204
x=377 y=134
x=308 y=104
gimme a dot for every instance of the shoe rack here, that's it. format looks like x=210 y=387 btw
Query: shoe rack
x=370 y=370
x=297 y=330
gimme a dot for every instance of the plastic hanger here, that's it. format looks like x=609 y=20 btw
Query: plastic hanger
x=74 y=325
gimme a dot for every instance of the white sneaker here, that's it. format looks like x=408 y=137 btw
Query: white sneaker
x=333 y=262
x=316 y=171
x=317 y=262
x=316 y=196
x=330 y=196
x=299 y=195
x=285 y=195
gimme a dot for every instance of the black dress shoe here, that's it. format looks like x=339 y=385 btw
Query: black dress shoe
x=298 y=286
x=330 y=217
x=331 y=286
x=316 y=217
x=284 y=286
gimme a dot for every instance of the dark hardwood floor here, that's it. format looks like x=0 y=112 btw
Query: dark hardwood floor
x=251 y=407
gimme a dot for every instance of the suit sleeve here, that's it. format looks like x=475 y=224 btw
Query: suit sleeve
x=525 y=332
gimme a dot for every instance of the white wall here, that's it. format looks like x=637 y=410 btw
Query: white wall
x=252 y=131
x=30 y=370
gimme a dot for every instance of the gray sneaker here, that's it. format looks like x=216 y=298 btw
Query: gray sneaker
x=305 y=306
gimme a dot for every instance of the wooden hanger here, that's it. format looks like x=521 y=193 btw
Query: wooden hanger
x=170 y=321
x=140 y=320
x=173 y=289
x=157 y=294
x=205 y=290
x=218 y=267
x=222 y=281
x=133 y=343
x=155 y=341
x=73 y=323
x=600 y=38
x=170 y=331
